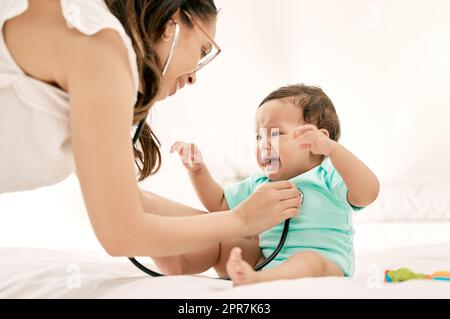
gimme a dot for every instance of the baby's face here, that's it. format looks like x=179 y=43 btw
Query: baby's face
x=277 y=153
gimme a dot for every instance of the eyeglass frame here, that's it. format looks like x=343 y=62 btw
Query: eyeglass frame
x=210 y=39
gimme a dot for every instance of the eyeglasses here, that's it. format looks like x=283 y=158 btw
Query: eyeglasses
x=212 y=53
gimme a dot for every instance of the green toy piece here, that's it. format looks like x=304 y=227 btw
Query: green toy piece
x=403 y=274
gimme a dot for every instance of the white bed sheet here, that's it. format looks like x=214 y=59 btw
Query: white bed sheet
x=41 y=273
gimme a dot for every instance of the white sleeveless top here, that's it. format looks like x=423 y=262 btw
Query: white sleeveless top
x=35 y=147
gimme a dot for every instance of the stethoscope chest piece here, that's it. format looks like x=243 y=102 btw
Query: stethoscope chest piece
x=301 y=195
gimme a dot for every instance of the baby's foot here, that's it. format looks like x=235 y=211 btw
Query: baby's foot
x=239 y=271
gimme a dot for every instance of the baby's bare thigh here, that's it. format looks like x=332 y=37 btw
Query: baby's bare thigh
x=251 y=253
x=317 y=263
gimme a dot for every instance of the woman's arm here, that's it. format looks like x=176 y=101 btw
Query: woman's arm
x=196 y=261
x=101 y=111
x=187 y=263
x=101 y=102
x=158 y=205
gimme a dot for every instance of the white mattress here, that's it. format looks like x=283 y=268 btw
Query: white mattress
x=41 y=273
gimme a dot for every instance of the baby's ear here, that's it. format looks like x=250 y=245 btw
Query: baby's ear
x=324 y=131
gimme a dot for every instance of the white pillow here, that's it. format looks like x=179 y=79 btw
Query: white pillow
x=421 y=201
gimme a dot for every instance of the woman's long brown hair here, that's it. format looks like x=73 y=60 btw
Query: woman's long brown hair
x=144 y=21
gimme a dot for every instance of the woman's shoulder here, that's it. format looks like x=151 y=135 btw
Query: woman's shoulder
x=97 y=29
x=61 y=32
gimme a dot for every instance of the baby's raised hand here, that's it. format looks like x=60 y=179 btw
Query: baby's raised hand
x=190 y=155
x=313 y=139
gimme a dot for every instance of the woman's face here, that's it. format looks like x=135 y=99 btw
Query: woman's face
x=191 y=45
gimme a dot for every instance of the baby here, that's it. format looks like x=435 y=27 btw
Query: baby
x=297 y=133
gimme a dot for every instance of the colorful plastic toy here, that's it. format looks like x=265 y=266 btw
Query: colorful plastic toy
x=404 y=274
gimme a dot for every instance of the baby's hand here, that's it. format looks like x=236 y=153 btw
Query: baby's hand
x=190 y=155
x=314 y=140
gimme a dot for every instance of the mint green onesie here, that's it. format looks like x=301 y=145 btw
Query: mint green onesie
x=324 y=224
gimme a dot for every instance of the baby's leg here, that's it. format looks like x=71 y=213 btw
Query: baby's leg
x=251 y=253
x=189 y=263
x=304 y=264
x=214 y=256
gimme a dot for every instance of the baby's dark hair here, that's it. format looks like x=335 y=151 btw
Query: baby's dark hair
x=316 y=105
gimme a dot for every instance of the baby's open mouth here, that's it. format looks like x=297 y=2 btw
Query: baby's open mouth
x=271 y=164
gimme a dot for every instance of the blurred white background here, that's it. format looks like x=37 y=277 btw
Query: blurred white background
x=384 y=63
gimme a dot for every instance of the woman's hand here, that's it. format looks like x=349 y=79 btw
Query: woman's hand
x=314 y=140
x=269 y=205
x=190 y=155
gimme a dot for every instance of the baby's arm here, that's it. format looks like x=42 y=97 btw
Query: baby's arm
x=362 y=184
x=209 y=192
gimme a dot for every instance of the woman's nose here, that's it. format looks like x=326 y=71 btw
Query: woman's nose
x=192 y=78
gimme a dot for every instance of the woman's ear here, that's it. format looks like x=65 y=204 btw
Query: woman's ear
x=168 y=31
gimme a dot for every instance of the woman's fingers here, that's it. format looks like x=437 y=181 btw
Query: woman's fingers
x=288 y=193
x=291 y=203
x=281 y=185
x=289 y=213
x=265 y=208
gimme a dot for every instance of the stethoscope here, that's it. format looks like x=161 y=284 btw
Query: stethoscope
x=135 y=139
x=257 y=268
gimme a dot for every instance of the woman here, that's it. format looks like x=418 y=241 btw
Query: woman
x=75 y=76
